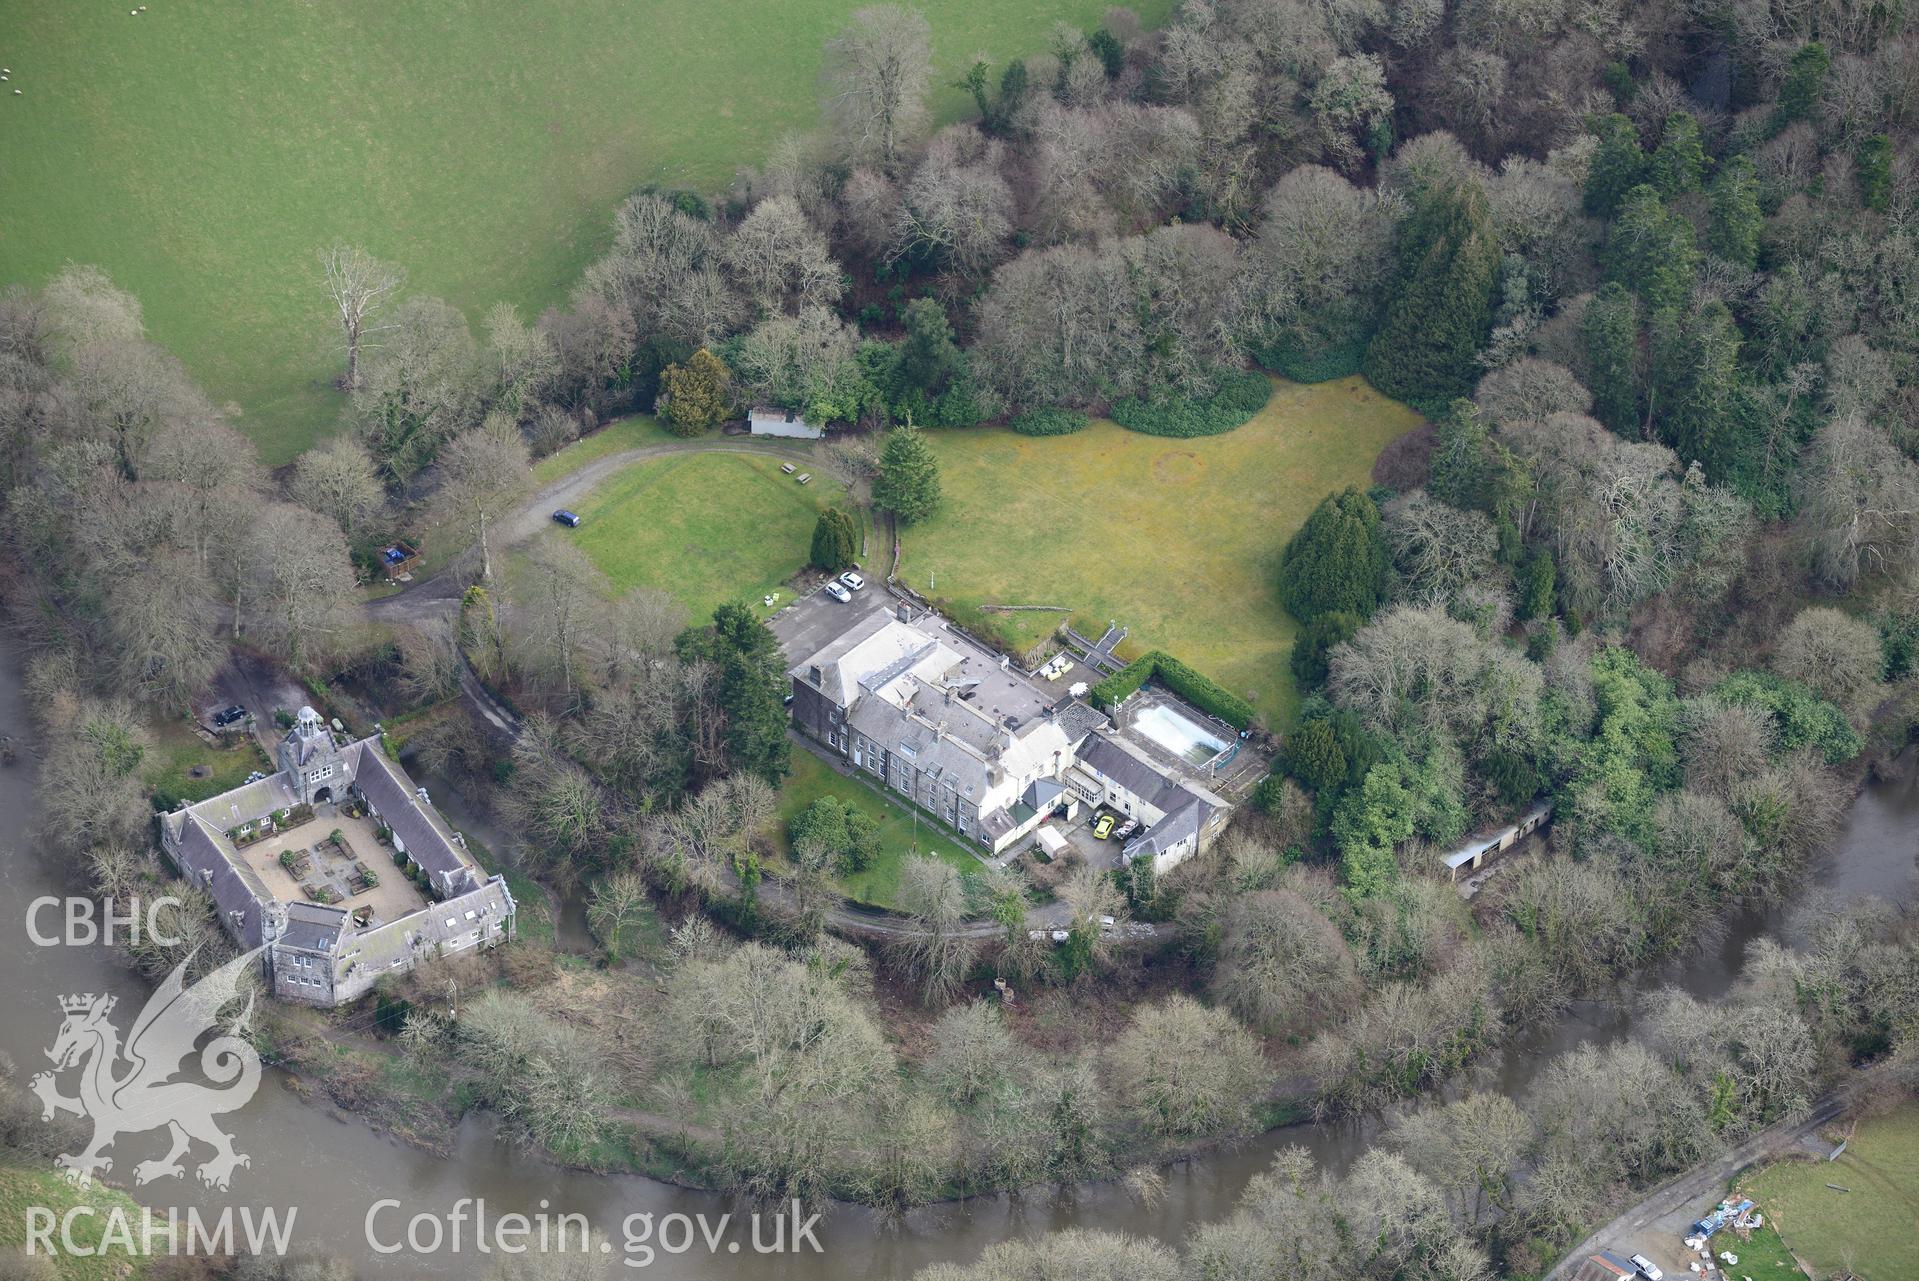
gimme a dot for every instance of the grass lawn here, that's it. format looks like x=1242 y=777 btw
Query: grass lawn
x=202 y=151
x=1176 y=540
x=621 y=434
x=1871 y=1229
x=879 y=884
x=178 y=751
x=708 y=528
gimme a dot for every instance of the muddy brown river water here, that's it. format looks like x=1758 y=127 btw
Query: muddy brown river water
x=331 y=1173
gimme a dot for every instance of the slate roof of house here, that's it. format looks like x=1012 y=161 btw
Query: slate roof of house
x=428 y=842
x=1042 y=794
x=416 y=933
x=1110 y=758
x=244 y=804
x=1179 y=825
x=997 y=824
x=314 y=926
x=202 y=853
x=1076 y=720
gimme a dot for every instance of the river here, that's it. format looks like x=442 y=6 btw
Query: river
x=331 y=1171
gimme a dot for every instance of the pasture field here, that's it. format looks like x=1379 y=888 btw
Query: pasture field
x=202 y=151
x=1869 y=1229
x=706 y=527
x=1176 y=540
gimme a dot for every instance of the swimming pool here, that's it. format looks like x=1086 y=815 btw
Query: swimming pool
x=1178 y=734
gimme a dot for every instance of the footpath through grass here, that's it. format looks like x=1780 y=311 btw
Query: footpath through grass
x=1177 y=540
x=1873 y=1229
x=879 y=884
x=707 y=528
x=203 y=150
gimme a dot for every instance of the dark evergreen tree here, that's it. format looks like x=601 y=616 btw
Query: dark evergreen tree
x=1680 y=163
x=1015 y=83
x=1310 y=646
x=1462 y=458
x=929 y=358
x=1337 y=562
x=1610 y=328
x=1618 y=165
x=909 y=481
x=1441 y=308
x=836 y=541
x=1805 y=82
x=752 y=690
x=1107 y=48
x=1695 y=362
x=1313 y=757
x=1651 y=250
x=1539 y=586
x=1737 y=220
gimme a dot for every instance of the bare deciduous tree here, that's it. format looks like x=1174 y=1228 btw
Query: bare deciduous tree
x=935 y=953
x=618 y=901
x=1188 y=1071
x=1282 y=966
x=338 y=479
x=486 y=473
x=876 y=74
x=296 y=584
x=359 y=286
x=1834 y=654
x=780 y=259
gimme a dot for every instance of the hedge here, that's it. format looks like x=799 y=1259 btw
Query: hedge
x=1200 y=691
x=1239 y=394
x=1297 y=364
x=1049 y=422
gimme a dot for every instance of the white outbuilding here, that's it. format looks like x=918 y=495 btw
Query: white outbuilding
x=764 y=420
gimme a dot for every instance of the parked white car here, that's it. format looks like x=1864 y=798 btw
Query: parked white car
x=1647 y=1268
x=852 y=580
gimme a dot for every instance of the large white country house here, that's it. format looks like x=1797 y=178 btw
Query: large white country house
x=901 y=694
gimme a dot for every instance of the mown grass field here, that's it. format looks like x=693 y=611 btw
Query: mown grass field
x=879 y=884
x=202 y=151
x=1873 y=1229
x=707 y=528
x=1177 y=540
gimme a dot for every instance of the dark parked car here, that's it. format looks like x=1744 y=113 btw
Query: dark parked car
x=570 y=519
x=226 y=716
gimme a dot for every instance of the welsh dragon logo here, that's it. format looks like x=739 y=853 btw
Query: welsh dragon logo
x=132 y=1088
